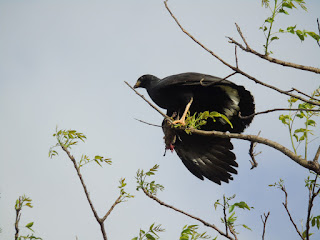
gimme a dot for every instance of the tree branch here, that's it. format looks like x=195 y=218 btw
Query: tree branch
x=285 y=204
x=238 y=70
x=271 y=59
x=111 y=208
x=264 y=221
x=86 y=192
x=187 y=214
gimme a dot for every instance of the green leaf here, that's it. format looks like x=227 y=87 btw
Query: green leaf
x=29 y=225
x=300 y=35
x=287 y=5
x=245 y=226
x=314 y=36
x=291 y=29
x=150 y=237
x=231 y=208
x=274 y=38
x=283 y=11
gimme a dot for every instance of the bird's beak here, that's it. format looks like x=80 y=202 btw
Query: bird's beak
x=137 y=84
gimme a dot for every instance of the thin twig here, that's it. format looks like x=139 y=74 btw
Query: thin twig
x=236 y=56
x=264 y=221
x=187 y=214
x=235 y=68
x=241 y=35
x=318 y=30
x=154 y=107
x=298 y=91
x=252 y=154
x=285 y=204
x=271 y=59
x=151 y=124
x=278 y=109
x=233 y=232
x=316 y=157
x=217 y=82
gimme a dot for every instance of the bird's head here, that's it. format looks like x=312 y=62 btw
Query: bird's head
x=145 y=81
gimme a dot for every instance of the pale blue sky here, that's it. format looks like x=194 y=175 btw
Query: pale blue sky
x=64 y=62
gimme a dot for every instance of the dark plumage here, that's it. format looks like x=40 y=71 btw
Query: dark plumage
x=204 y=156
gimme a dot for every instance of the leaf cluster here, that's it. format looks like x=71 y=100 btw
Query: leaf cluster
x=20 y=203
x=68 y=138
x=197 y=120
x=151 y=234
x=189 y=232
x=124 y=195
x=283 y=6
x=230 y=216
x=150 y=187
x=301 y=134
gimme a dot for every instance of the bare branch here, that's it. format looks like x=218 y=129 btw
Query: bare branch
x=238 y=70
x=318 y=30
x=187 y=214
x=241 y=35
x=278 y=109
x=264 y=221
x=271 y=59
x=236 y=56
x=285 y=204
x=294 y=89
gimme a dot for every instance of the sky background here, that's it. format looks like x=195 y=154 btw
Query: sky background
x=64 y=63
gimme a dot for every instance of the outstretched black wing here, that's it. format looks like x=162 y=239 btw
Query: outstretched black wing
x=204 y=156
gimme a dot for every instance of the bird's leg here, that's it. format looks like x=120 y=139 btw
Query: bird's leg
x=183 y=118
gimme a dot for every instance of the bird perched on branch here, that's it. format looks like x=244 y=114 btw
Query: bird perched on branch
x=190 y=93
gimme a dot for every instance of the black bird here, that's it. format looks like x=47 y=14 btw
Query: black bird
x=204 y=156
